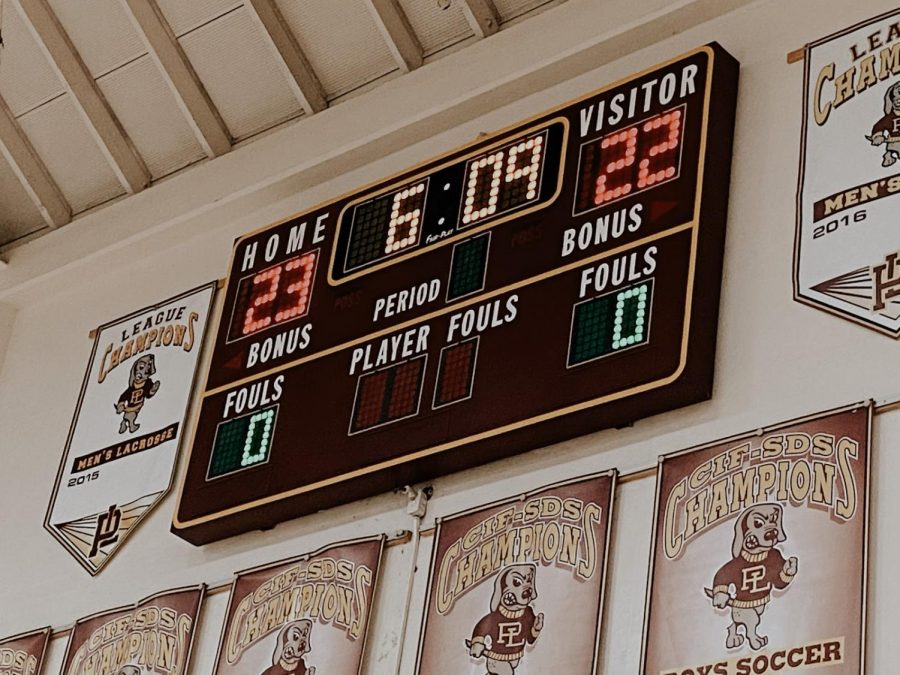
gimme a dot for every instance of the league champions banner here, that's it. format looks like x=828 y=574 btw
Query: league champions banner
x=516 y=588
x=24 y=654
x=302 y=616
x=155 y=635
x=759 y=552
x=123 y=442
x=847 y=252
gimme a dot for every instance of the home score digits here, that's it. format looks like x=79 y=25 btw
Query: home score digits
x=548 y=281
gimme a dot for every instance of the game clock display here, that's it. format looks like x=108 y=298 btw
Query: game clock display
x=553 y=279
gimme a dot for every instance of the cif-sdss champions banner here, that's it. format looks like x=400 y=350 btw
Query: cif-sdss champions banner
x=123 y=443
x=759 y=552
x=302 y=616
x=847 y=246
x=155 y=635
x=516 y=587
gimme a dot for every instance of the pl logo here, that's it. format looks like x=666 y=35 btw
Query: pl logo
x=107 y=532
x=757 y=568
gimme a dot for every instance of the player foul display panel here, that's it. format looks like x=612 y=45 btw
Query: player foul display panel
x=551 y=280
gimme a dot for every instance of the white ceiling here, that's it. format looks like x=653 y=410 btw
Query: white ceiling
x=236 y=61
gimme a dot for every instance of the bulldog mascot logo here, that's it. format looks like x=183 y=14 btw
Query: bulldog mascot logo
x=501 y=636
x=757 y=567
x=140 y=388
x=293 y=645
x=886 y=131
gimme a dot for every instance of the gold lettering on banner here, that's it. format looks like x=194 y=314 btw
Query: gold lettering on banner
x=333 y=591
x=817 y=469
x=545 y=530
x=17 y=662
x=153 y=335
x=833 y=89
x=154 y=638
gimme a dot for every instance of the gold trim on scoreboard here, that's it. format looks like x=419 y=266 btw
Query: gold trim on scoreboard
x=502 y=135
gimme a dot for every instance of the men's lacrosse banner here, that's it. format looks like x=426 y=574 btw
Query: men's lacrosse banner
x=153 y=636
x=516 y=588
x=301 y=616
x=759 y=552
x=847 y=252
x=24 y=654
x=123 y=443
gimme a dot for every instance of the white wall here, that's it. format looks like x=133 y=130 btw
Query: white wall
x=776 y=359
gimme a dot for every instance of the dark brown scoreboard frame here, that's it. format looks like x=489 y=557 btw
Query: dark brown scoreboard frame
x=209 y=510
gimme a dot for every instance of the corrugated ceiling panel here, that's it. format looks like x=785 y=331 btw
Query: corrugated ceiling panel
x=101 y=32
x=436 y=28
x=240 y=74
x=146 y=107
x=72 y=156
x=26 y=77
x=186 y=15
x=19 y=217
x=512 y=9
x=341 y=41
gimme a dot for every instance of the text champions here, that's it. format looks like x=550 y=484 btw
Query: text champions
x=543 y=530
x=165 y=329
x=155 y=638
x=874 y=61
x=334 y=591
x=793 y=467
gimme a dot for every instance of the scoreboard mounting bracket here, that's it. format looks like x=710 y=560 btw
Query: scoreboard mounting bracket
x=550 y=280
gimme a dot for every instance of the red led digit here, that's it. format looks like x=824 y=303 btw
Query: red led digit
x=278 y=294
x=491 y=168
x=265 y=288
x=294 y=301
x=653 y=167
x=617 y=156
x=403 y=230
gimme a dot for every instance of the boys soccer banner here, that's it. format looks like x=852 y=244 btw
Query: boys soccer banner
x=847 y=252
x=516 y=588
x=301 y=616
x=123 y=443
x=153 y=636
x=24 y=654
x=759 y=552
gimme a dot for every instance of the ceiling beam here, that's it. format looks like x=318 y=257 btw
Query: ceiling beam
x=106 y=129
x=31 y=172
x=482 y=16
x=397 y=32
x=300 y=73
x=192 y=97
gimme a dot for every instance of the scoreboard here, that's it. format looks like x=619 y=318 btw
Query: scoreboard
x=553 y=279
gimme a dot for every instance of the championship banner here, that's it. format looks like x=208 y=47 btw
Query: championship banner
x=152 y=636
x=847 y=252
x=24 y=654
x=759 y=552
x=301 y=616
x=516 y=588
x=123 y=443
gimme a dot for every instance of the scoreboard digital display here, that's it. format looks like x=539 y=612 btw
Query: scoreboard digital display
x=551 y=280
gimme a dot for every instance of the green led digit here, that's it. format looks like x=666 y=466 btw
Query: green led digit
x=631 y=316
x=261 y=419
